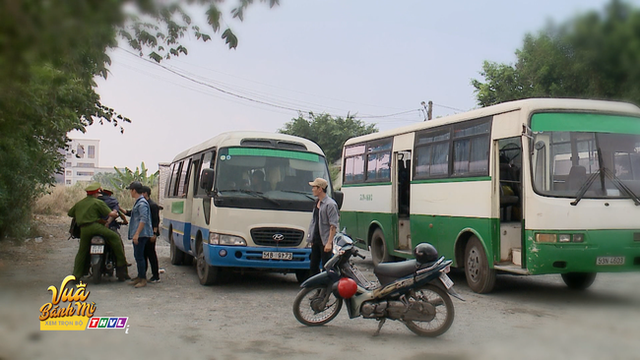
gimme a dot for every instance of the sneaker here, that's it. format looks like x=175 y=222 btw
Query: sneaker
x=161 y=271
x=154 y=279
x=142 y=283
x=135 y=281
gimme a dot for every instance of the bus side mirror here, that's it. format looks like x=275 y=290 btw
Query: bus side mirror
x=206 y=180
x=338 y=196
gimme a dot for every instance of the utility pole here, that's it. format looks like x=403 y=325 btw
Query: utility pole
x=427 y=111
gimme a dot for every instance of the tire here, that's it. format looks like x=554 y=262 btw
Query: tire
x=304 y=312
x=579 y=281
x=444 y=311
x=207 y=274
x=176 y=255
x=379 y=252
x=302 y=275
x=96 y=273
x=480 y=278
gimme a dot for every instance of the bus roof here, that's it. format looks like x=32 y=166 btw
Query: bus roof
x=526 y=105
x=235 y=138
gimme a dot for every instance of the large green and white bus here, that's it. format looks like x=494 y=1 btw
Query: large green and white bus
x=535 y=186
x=242 y=200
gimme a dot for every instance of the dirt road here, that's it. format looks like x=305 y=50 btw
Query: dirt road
x=250 y=317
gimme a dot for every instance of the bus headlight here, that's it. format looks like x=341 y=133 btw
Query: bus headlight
x=578 y=238
x=564 y=238
x=546 y=238
x=224 y=239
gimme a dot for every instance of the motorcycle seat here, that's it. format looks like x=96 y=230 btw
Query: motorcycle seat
x=389 y=272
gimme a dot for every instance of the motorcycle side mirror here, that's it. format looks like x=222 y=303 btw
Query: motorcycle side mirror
x=206 y=180
x=338 y=196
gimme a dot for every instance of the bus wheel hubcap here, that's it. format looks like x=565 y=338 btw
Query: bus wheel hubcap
x=473 y=265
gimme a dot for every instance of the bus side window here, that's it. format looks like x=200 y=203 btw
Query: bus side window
x=183 y=185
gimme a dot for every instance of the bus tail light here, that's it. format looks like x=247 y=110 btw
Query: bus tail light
x=546 y=238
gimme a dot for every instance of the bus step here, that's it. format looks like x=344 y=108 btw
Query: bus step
x=514 y=269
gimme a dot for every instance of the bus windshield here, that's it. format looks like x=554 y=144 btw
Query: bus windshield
x=586 y=155
x=267 y=178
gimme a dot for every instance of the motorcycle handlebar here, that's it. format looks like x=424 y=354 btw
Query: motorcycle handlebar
x=356 y=253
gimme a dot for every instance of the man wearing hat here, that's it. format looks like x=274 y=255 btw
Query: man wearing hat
x=88 y=212
x=323 y=227
x=113 y=204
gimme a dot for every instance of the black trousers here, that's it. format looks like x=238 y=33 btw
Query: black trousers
x=151 y=257
x=318 y=256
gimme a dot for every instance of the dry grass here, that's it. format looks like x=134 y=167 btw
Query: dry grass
x=61 y=198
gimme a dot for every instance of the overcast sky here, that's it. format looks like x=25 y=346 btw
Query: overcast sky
x=369 y=58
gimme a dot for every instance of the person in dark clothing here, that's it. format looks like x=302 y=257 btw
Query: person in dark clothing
x=150 y=249
x=112 y=203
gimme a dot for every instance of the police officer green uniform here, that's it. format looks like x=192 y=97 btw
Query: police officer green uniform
x=87 y=213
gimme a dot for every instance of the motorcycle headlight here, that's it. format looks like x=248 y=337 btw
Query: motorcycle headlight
x=224 y=239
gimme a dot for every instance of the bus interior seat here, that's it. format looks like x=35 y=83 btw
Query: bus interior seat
x=508 y=192
x=576 y=178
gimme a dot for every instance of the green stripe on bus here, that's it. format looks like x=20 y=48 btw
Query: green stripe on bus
x=366 y=184
x=177 y=207
x=585 y=123
x=274 y=153
x=462 y=179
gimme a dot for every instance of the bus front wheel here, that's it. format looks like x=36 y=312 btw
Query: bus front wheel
x=207 y=274
x=480 y=278
x=379 y=251
x=579 y=281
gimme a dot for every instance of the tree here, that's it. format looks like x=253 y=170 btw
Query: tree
x=595 y=55
x=122 y=179
x=328 y=132
x=50 y=53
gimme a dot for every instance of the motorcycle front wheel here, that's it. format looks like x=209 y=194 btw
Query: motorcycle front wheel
x=438 y=303
x=308 y=308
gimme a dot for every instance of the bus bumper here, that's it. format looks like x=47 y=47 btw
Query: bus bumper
x=243 y=256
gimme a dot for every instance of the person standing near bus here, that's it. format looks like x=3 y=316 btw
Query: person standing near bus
x=140 y=231
x=150 y=249
x=323 y=227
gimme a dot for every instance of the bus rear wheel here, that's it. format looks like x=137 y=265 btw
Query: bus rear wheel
x=379 y=251
x=480 y=278
x=207 y=274
x=175 y=254
x=578 y=281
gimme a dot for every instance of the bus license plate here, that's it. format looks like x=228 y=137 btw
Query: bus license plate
x=96 y=249
x=269 y=255
x=610 y=260
x=446 y=281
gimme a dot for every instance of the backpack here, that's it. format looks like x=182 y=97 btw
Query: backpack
x=74 y=229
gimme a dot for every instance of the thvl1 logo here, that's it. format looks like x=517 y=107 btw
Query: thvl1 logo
x=107 y=323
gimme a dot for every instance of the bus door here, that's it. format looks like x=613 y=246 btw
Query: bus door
x=201 y=203
x=401 y=188
x=509 y=185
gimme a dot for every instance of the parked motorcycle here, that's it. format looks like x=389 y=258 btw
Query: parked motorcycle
x=103 y=260
x=414 y=292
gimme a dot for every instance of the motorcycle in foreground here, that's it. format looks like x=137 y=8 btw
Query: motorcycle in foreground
x=414 y=292
x=103 y=260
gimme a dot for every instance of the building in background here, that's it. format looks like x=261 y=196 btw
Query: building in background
x=82 y=162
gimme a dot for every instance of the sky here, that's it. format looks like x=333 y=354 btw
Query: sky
x=368 y=58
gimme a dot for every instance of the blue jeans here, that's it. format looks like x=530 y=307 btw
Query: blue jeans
x=138 y=254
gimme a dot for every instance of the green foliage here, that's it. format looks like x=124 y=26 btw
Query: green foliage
x=595 y=55
x=328 y=132
x=122 y=179
x=50 y=53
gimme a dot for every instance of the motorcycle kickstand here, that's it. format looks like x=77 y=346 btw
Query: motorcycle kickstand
x=380 y=323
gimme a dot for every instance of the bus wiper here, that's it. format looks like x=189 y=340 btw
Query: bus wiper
x=299 y=192
x=583 y=189
x=621 y=186
x=253 y=193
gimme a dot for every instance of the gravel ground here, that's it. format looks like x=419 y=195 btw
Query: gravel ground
x=250 y=317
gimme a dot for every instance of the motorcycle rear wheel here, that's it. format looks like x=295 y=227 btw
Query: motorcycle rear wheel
x=96 y=273
x=444 y=311
x=303 y=306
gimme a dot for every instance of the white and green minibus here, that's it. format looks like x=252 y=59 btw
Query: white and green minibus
x=242 y=200
x=535 y=186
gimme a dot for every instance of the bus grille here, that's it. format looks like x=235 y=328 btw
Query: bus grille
x=270 y=237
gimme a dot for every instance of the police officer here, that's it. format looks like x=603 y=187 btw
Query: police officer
x=88 y=212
